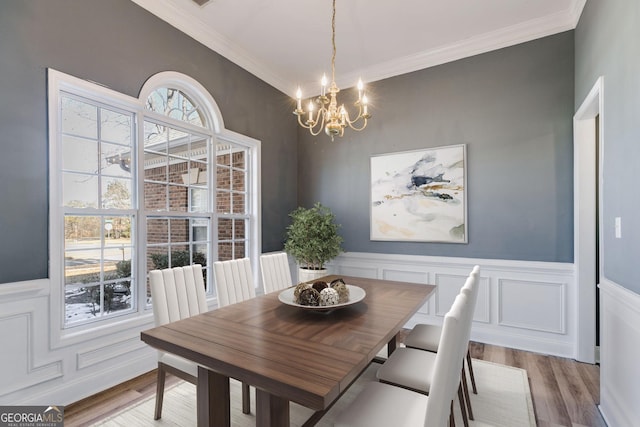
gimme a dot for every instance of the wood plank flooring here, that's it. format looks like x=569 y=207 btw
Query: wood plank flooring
x=565 y=392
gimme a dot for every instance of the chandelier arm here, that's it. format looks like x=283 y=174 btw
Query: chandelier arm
x=358 y=129
x=318 y=122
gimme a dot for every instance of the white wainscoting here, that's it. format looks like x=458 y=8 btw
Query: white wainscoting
x=35 y=371
x=525 y=305
x=619 y=355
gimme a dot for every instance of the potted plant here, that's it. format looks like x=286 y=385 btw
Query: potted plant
x=312 y=240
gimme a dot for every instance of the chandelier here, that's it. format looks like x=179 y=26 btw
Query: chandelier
x=333 y=118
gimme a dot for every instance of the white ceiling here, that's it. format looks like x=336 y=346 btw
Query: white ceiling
x=287 y=43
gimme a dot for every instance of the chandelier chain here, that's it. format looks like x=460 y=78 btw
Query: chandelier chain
x=333 y=43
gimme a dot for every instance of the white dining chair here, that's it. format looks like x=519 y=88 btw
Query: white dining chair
x=275 y=271
x=401 y=366
x=427 y=337
x=384 y=405
x=234 y=283
x=177 y=293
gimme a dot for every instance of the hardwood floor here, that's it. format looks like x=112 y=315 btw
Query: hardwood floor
x=565 y=392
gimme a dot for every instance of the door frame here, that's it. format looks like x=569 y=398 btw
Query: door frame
x=585 y=214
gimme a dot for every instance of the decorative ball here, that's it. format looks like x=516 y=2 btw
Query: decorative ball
x=299 y=288
x=319 y=285
x=336 y=281
x=310 y=297
x=342 y=290
x=328 y=296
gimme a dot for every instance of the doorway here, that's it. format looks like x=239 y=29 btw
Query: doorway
x=588 y=125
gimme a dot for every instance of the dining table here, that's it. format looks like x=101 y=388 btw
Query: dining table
x=288 y=353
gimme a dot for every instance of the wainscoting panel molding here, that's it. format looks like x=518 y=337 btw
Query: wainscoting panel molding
x=107 y=351
x=483 y=304
x=448 y=286
x=521 y=304
x=20 y=366
x=517 y=298
x=619 y=355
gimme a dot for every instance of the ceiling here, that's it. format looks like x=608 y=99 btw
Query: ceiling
x=287 y=43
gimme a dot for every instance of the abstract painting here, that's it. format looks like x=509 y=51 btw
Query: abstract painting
x=420 y=195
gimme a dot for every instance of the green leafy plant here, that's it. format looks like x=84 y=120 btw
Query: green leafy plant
x=178 y=259
x=312 y=237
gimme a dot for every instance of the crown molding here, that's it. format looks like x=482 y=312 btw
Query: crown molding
x=195 y=27
x=199 y=30
x=494 y=40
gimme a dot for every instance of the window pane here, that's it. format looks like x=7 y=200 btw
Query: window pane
x=157 y=230
x=118 y=232
x=201 y=167
x=115 y=127
x=79 y=230
x=180 y=256
x=238 y=180
x=223 y=178
x=80 y=191
x=155 y=196
x=158 y=258
x=117 y=296
x=199 y=147
x=116 y=193
x=178 y=198
x=81 y=303
x=115 y=160
x=79 y=118
x=239 y=205
x=179 y=230
x=199 y=200
x=200 y=230
x=225 y=229
x=223 y=202
x=158 y=172
x=175 y=104
x=79 y=154
x=155 y=137
x=83 y=266
x=239 y=229
x=239 y=159
x=239 y=250
x=225 y=251
x=179 y=143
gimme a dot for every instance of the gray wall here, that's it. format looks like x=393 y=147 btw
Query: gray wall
x=607 y=45
x=120 y=45
x=512 y=107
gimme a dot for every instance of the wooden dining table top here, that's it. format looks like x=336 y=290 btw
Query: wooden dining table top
x=299 y=355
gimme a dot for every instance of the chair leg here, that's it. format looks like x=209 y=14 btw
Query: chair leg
x=452 y=420
x=465 y=389
x=463 y=407
x=246 y=399
x=159 y=391
x=473 y=378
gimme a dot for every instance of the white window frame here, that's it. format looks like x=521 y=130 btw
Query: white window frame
x=141 y=315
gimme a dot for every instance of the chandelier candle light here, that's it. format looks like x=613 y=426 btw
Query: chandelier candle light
x=329 y=116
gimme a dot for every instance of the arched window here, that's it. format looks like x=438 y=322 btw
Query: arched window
x=142 y=184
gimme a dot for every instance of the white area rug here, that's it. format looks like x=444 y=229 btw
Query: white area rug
x=503 y=399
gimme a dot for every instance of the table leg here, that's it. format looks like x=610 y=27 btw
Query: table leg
x=271 y=410
x=213 y=404
x=392 y=344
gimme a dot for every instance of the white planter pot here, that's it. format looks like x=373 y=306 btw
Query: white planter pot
x=305 y=275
